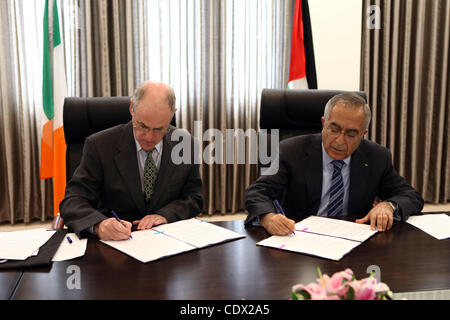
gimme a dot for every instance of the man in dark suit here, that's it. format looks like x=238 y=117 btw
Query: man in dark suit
x=335 y=173
x=129 y=169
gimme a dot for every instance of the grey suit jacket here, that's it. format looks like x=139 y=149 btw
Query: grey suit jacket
x=298 y=182
x=108 y=179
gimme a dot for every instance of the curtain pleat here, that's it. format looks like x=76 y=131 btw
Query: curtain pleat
x=405 y=72
x=24 y=197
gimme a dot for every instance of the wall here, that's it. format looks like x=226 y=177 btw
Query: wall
x=336 y=27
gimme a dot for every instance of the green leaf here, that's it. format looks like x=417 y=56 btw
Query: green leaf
x=384 y=294
x=350 y=293
x=301 y=295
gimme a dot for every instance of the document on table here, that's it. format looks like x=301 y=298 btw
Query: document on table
x=323 y=237
x=69 y=251
x=19 y=245
x=336 y=228
x=313 y=244
x=198 y=233
x=436 y=225
x=173 y=238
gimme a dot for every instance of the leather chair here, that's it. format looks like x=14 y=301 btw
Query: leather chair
x=85 y=116
x=294 y=111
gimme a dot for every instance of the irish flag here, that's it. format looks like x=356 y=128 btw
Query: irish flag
x=54 y=90
x=302 y=70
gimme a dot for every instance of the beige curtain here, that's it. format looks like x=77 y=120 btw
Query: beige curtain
x=23 y=196
x=99 y=47
x=405 y=72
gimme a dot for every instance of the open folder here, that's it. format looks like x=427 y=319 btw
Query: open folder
x=173 y=238
x=47 y=242
x=323 y=237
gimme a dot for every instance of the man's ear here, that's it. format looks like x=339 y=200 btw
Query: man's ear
x=323 y=121
x=131 y=106
x=365 y=132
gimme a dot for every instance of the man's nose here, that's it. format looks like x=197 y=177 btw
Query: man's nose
x=340 y=138
x=149 y=135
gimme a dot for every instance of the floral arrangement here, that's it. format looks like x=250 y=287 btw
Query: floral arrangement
x=342 y=286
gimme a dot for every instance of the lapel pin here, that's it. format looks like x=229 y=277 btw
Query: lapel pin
x=365 y=164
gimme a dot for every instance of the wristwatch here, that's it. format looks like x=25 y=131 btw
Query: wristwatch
x=392 y=204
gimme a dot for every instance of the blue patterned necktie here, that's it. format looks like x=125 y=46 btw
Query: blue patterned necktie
x=150 y=173
x=336 y=202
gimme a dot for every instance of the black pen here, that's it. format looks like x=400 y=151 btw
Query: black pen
x=68 y=239
x=117 y=218
x=280 y=210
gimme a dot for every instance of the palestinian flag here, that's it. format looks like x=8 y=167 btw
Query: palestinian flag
x=302 y=71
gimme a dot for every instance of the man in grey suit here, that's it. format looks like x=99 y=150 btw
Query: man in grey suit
x=335 y=173
x=129 y=170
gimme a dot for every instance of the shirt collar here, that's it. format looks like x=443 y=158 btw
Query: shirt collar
x=327 y=159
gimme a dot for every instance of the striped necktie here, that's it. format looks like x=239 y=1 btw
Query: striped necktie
x=150 y=173
x=336 y=202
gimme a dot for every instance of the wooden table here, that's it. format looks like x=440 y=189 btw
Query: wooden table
x=8 y=283
x=409 y=260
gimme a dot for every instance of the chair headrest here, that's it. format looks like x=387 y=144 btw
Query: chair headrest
x=85 y=116
x=292 y=109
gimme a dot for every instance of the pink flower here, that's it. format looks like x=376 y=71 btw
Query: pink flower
x=342 y=285
x=337 y=285
x=316 y=291
x=363 y=290
x=367 y=289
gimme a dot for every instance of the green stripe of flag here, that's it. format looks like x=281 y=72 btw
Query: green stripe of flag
x=47 y=90
x=56 y=34
x=47 y=87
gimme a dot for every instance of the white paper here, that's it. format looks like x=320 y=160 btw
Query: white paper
x=149 y=245
x=19 y=245
x=198 y=233
x=68 y=251
x=436 y=225
x=313 y=244
x=323 y=237
x=173 y=238
x=335 y=228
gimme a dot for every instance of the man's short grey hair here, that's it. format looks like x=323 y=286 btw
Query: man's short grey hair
x=352 y=100
x=140 y=92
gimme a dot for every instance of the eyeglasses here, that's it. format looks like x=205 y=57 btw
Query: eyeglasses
x=142 y=128
x=336 y=131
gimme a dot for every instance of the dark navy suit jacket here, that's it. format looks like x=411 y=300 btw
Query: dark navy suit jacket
x=298 y=181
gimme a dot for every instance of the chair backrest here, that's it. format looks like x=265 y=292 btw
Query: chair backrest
x=295 y=112
x=85 y=116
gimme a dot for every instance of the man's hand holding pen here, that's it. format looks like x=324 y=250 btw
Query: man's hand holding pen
x=277 y=224
x=111 y=229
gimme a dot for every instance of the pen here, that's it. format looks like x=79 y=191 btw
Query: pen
x=117 y=218
x=68 y=239
x=280 y=210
